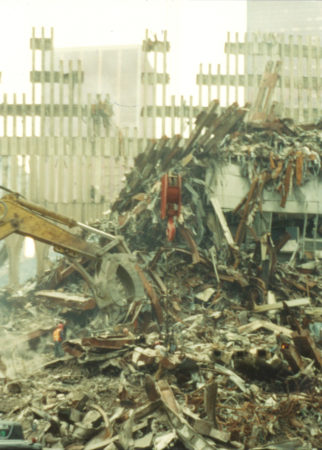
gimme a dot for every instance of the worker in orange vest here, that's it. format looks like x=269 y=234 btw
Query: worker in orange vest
x=58 y=337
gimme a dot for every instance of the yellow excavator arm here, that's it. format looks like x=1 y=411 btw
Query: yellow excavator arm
x=25 y=218
x=116 y=280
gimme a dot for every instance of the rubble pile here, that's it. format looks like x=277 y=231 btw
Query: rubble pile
x=277 y=156
x=221 y=353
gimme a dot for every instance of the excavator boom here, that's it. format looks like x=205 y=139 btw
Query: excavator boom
x=27 y=219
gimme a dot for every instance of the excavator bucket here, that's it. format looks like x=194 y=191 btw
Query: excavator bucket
x=117 y=283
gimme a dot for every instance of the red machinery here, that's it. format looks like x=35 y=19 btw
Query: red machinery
x=170 y=201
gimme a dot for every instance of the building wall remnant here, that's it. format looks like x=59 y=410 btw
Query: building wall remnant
x=230 y=188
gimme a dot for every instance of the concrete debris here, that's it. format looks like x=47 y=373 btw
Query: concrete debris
x=222 y=349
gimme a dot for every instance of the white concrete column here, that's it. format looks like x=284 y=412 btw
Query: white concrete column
x=14 y=246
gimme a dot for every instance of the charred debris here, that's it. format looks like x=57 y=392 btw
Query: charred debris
x=224 y=349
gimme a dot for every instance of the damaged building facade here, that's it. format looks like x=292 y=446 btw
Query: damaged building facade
x=300 y=214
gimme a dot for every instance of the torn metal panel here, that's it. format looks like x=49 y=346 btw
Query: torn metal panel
x=236 y=379
x=109 y=342
x=305 y=301
x=78 y=302
x=257 y=324
x=191 y=439
x=206 y=428
x=186 y=433
x=167 y=396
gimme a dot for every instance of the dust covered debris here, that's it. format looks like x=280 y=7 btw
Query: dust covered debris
x=216 y=342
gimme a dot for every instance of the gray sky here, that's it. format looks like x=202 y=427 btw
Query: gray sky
x=197 y=31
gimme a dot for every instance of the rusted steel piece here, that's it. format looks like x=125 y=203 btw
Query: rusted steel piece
x=170 y=201
x=150 y=388
x=175 y=150
x=268 y=258
x=226 y=125
x=261 y=110
x=297 y=282
x=61 y=272
x=270 y=84
x=158 y=280
x=264 y=178
x=185 y=233
x=265 y=82
x=210 y=400
x=167 y=396
x=143 y=202
x=272 y=162
x=201 y=123
x=73 y=348
x=287 y=183
x=292 y=357
x=156 y=257
x=233 y=277
x=240 y=233
x=151 y=293
x=307 y=347
x=38 y=333
x=278 y=169
x=110 y=342
x=299 y=168
x=171 y=229
x=240 y=205
x=255 y=292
